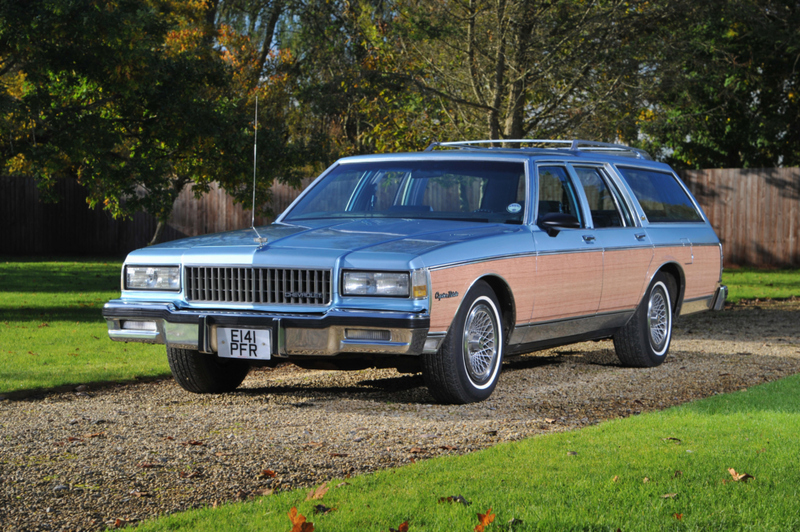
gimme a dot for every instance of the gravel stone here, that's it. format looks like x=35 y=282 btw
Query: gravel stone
x=112 y=456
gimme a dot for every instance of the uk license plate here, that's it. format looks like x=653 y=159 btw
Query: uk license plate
x=251 y=344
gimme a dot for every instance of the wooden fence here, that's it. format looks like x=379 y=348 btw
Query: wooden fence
x=755 y=212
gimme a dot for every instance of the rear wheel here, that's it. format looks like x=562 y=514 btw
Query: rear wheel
x=203 y=373
x=467 y=366
x=644 y=341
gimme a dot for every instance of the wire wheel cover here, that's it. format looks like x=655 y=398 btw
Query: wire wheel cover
x=480 y=343
x=658 y=319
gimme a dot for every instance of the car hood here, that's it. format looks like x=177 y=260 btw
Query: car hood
x=406 y=236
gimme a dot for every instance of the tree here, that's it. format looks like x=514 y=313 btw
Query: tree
x=133 y=99
x=729 y=92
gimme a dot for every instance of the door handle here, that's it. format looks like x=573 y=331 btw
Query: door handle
x=588 y=239
x=640 y=236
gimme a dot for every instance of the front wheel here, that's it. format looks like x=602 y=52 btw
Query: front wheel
x=198 y=372
x=467 y=366
x=644 y=341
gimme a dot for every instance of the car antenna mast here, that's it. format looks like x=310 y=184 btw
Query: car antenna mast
x=260 y=240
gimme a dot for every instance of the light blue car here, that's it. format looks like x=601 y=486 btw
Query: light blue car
x=443 y=262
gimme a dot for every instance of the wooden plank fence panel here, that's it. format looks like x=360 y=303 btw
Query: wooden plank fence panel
x=756 y=213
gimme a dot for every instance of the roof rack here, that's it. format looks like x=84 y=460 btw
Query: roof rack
x=546 y=145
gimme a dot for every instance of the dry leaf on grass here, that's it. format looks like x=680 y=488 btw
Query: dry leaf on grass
x=616 y=478
x=402 y=528
x=678 y=516
x=743 y=477
x=669 y=495
x=484 y=520
x=318 y=493
x=455 y=498
x=299 y=523
x=322 y=509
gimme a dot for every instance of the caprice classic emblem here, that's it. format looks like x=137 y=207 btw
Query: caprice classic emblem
x=445 y=295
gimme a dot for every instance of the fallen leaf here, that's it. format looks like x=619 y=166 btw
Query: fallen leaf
x=669 y=495
x=761 y=450
x=147 y=465
x=342 y=484
x=192 y=442
x=448 y=447
x=299 y=523
x=646 y=480
x=140 y=493
x=677 y=474
x=676 y=440
x=242 y=494
x=318 y=493
x=264 y=491
x=187 y=474
x=549 y=420
x=118 y=523
x=743 y=477
x=572 y=453
x=71 y=438
x=169 y=438
x=322 y=509
x=678 y=516
x=338 y=454
x=269 y=473
x=416 y=450
x=95 y=435
x=616 y=478
x=455 y=498
x=484 y=520
x=402 y=528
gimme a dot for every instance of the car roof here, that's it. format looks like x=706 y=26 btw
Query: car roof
x=526 y=149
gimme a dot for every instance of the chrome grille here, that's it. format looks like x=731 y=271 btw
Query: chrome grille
x=258 y=285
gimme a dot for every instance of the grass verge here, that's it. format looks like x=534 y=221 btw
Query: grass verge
x=52 y=332
x=660 y=471
x=748 y=283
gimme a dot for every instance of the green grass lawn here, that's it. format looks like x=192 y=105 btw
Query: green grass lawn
x=52 y=332
x=660 y=471
x=748 y=283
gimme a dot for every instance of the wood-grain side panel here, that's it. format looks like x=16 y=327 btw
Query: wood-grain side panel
x=567 y=285
x=703 y=275
x=517 y=272
x=625 y=278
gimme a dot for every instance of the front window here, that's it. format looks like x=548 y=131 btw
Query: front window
x=481 y=191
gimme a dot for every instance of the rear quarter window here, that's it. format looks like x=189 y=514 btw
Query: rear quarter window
x=662 y=198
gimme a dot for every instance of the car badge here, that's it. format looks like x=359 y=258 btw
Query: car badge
x=514 y=208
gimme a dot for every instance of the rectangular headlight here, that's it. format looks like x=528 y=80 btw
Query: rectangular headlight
x=375 y=284
x=152 y=278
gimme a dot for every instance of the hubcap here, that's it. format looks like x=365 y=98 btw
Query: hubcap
x=658 y=319
x=480 y=343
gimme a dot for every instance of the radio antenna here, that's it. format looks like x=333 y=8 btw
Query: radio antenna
x=260 y=240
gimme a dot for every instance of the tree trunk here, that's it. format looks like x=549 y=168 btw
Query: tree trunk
x=159 y=231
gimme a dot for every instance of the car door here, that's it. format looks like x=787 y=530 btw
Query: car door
x=569 y=272
x=627 y=249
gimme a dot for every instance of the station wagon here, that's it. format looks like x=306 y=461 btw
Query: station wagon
x=444 y=262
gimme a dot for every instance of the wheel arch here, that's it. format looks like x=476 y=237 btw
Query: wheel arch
x=505 y=297
x=674 y=271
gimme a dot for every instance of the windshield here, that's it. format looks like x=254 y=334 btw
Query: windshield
x=484 y=191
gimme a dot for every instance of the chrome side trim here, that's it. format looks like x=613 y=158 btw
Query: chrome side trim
x=698 y=304
x=548 y=330
x=486 y=259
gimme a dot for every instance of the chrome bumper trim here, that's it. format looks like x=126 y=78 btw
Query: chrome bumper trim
x=720 y=297
x=295 y=335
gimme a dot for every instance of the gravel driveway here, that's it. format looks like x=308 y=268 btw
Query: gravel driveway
x=107 y=457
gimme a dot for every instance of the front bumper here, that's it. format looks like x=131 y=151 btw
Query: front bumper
x=328 y=334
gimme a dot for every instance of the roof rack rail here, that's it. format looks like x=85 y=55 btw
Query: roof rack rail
x=545 y=145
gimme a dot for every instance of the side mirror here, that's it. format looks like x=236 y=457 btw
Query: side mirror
x=553 y=222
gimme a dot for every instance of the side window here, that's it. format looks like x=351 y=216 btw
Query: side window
x=556 y=192
x=661 y=196
x=604 y=202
